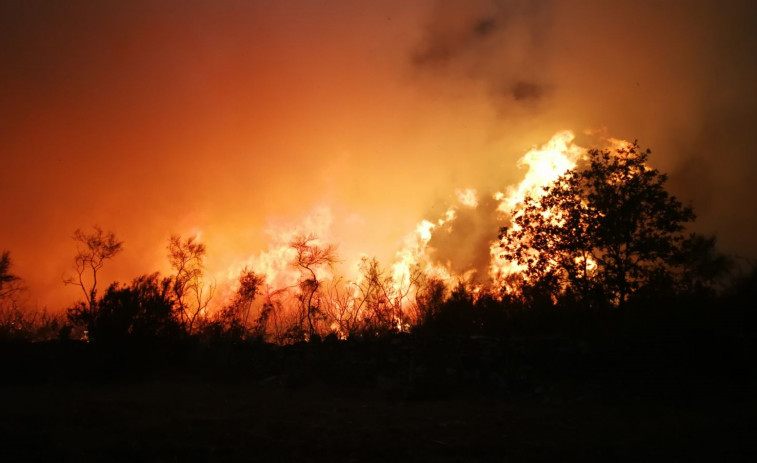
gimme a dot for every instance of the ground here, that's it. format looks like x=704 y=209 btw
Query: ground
x=165 y=420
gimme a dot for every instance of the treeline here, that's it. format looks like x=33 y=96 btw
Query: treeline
x=604 y=246
x=462 y=341
x=174 y=308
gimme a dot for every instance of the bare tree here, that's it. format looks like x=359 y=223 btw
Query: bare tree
x=92 y=250
x=374 y=308
x=373 y=304
x=384 y=297
x=340 y=306
x=416 y=283
x=309 y=258
x=192 y=293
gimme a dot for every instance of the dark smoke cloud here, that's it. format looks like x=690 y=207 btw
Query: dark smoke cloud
x=497 y=42
x=526 y=91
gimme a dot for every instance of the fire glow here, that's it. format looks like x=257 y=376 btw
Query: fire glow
x=346 y=284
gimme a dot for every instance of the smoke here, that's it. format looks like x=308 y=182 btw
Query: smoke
x=499 y=43
x=465 y=242
x=677 y=76
x=462 y=244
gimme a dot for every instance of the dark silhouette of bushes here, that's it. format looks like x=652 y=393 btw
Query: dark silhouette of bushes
x=143 y=310
x=613 y=289
x=464 y=312
x=21 y=325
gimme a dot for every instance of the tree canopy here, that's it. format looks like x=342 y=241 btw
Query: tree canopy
x=601 y=231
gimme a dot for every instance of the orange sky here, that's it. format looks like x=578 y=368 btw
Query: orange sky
x=236 y=117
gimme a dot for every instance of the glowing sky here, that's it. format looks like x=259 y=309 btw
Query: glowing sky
x=237 y=118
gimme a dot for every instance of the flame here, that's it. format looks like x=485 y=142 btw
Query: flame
x=467 y=197
x=415 y=255
x=545 y=165
x=276 y=262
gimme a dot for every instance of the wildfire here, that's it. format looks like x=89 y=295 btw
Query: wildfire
x=275 y=263
x=545 y=164
x=415 y=252
x=416 y=255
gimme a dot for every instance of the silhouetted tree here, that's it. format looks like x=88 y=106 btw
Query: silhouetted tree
x=235 y=316
x=192 y=294
x=92 y=250
x=273 y=311
x=374 y=308
x=143 y=310
x=309 y=257
x=380 y=299
x=8 y=281
x=373 y=304
x=600 y=233
x=340 y=307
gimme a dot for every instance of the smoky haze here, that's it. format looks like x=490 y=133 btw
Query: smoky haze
x=462 y=244
x=228 y=120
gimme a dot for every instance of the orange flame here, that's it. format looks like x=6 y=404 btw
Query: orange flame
x=545 y=164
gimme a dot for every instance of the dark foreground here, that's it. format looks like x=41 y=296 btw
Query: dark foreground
x=450 y=401
x=168 y=421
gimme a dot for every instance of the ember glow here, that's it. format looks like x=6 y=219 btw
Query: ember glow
x=394 y=130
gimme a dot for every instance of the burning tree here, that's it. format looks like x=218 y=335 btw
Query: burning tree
x=192 y=294
x=235 y=316
x=376 y=300
x=309 y=257
x=599 y=234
